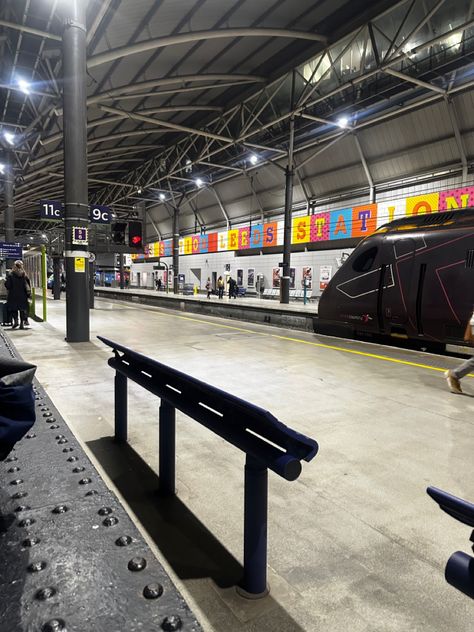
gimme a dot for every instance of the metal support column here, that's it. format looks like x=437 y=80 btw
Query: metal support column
x=9 y=214
x=121 y=274
x=167 y=449
x=56 y=278
x=75 y=170
x=175 y=249
x=121 y=413
x=91 y=284
x=254 y=583
x=285 y=278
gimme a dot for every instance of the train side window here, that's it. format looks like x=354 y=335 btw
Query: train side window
x=470 y=259
x=364 y=261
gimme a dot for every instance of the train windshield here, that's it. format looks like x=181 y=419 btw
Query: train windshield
x=364 y=260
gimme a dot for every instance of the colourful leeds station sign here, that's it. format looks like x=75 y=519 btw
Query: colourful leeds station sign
x=354 y=222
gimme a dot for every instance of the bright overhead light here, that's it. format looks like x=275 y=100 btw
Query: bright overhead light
x=43 y=235
x=188 y=161
x=2 y=168
x=139 y=190
x=454 y=40
x=199 y=182
x=253 y=159
x=162 y=196
x=342 y=121
x=9 y=137
x=24 y=86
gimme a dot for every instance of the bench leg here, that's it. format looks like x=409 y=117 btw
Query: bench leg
x=167 y=449
x=121 y=414
x=254 y=583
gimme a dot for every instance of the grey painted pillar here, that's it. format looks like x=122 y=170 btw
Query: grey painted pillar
x=75 y=170
x=91 y=284
x=285 y=278
x=9 y=213
x=121 y=274
x=175 y=249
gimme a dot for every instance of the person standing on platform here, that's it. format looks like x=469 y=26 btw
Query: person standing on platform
x=208 y=287
x=232 y=287
x=158 y=284
x=454 y=376
x=220 y=287
x=19 y=291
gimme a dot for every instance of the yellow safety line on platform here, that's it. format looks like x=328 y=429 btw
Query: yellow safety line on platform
x=366 y=354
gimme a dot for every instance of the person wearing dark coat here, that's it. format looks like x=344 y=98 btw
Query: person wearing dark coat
x=19 y=291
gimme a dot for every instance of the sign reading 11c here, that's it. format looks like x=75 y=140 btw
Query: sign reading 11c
x=53 y=210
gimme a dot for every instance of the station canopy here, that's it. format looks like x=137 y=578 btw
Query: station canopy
x=190 y=102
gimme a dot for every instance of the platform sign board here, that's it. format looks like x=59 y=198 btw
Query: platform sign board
x=100 y=214
x=79 y=264
x=10 y=250
x=80 y=236
x=51 y=210
x=325 y=274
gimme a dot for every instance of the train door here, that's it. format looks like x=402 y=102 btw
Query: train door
x=396 y=296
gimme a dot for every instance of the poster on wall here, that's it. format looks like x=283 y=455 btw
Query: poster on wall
x=325 y=273
x=307 y=279
x=251 y=277
x=292 y=278
x=276 y=277
x=240 y=277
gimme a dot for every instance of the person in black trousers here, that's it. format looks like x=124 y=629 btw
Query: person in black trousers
x=19 y=291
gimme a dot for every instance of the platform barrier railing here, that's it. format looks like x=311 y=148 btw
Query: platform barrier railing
x=267 y=443
x=459 y=570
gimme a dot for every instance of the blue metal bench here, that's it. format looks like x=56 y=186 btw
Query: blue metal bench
x=460 y=566
x=267 y=443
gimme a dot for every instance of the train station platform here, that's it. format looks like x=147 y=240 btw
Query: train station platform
x=295 y=315
x=355 y=543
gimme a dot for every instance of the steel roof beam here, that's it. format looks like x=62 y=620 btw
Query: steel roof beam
x=31 y=31
x=196 y=36
x=457 y=134
x=368 y=175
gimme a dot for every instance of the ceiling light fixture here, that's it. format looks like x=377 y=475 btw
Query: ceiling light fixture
x=24 y=86
x=2 y=168
x=162 y=196
x=253 y=159
x=139 y=190
x=9 y=137
x=343 y=121
x=199 y=182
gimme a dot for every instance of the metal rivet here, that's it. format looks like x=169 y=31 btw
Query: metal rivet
x=137 y=564
x=19 y=495
x=27 y=522
x=51 y=420
x=54 y=625
x=68 y=449
x=49 y=414
x=57 y=437
x=45 y=593
x=44 y=409
x=153 y=591
x=110 y=521
x=85 y=481
x=124 y=540
x=17 y=481
x=29 y=542
x=72 y=459
x=105 y=511
x=11 y=459
x=22 y=508
x=62 y=441
x=54 y=426
x=12 y=470
x=172 y=623
x=38 y=397
x=60 y=509
x=30 y=435
x=92 y=492
x=36 y=567
x=79 y=468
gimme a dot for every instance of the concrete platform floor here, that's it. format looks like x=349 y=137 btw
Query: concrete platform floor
x=355 y=544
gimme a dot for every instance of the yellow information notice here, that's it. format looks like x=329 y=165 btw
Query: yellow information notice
x=79 y=264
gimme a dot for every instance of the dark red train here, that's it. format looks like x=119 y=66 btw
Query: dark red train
x=413 y=278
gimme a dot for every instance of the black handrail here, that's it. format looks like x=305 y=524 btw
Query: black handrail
x=267 y=442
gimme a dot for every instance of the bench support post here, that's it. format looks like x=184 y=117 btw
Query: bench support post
x=254 y=583
x=121 y=414
x=167 y=449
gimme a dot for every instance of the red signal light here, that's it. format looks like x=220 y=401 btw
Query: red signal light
x=136 y=240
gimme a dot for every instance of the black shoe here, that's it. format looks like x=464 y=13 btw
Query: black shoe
x=15 y=325
x=22 y=326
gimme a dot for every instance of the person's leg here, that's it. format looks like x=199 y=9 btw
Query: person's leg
x=14 y=317
x=454 y=376
x=23 y=319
